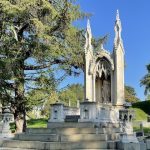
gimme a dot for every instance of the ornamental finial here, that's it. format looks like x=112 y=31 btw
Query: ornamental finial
x=88 y=36
x=89 y=27
x=117 y=16
x=118 y=30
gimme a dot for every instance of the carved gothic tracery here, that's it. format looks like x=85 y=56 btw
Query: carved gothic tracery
x=102 y=75
x=103 y=67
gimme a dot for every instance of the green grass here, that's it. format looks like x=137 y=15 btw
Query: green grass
x=37 y=123
x=140 y=115
x=32 y=123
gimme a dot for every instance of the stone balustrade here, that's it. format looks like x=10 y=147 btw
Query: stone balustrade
x=59 y=112
x=97 y=112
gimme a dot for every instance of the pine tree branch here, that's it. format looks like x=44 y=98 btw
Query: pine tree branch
x=32 y=67
x=6 y=84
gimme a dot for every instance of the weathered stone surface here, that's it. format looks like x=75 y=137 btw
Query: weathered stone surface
x=70 y=131
x=84 y=137
x=55 y=145
x=148 y=143
x=7 y=148
x=69 y=125
x=129 y=146
x=142 y=146
x=23 y=144
x=38 y=137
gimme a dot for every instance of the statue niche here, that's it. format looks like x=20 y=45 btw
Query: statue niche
x=103 y=81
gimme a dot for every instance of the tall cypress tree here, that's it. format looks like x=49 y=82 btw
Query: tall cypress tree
x=36 y=37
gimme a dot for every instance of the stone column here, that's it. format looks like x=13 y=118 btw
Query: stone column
x=118 y=55
x=93 y=86
x=112 y=87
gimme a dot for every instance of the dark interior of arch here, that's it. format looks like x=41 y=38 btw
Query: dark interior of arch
x=103 y=80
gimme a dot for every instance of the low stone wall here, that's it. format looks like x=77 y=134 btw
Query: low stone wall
x=69 y=111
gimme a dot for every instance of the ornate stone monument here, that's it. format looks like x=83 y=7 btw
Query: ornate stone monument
x=104 y=102
x=104 y=79
x=104 y=82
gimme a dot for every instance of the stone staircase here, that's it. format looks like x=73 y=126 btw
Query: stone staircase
x=65 y=138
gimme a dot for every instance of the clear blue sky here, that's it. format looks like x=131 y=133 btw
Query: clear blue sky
x=135 y=18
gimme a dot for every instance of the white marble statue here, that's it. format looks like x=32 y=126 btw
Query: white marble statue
x=106 y=91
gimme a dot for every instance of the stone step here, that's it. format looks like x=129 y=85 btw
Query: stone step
x=36 y=137
x=6 y=148
x=62 y=138
x=70 y=125
x=79 y=125
x=57 y=145
x=70 y=131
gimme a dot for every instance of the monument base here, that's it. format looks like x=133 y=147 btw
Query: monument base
x=98 y=112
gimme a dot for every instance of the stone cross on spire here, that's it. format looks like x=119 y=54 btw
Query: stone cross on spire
x=88 y=36
x=118 y=30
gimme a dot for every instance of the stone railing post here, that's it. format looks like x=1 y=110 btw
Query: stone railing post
x=57 y=112
x=7 y=118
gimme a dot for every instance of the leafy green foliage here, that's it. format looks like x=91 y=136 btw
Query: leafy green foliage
x=68 y=95
x=37 y=37
x=53 y=97
x=143 y=105
x=72 y=93
x=97 y=43
x=146 y=80
x=148 y=98
x=130 y=94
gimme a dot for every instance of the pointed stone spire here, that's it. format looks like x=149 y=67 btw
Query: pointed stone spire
x=89 y=28
x=88 y=36
x=117 y=16
x=118 y=30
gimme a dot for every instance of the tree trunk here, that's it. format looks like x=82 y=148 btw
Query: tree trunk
x=24 y=121
x=20 y=110
x=18 y=123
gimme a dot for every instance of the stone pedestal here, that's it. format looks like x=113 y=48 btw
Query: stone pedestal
x=57 y=113
x=88 y=111
x=107 y=113
x=97 y=112
x=129 y=146
x=128 y=139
